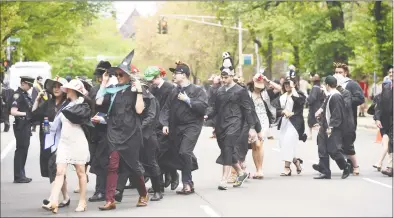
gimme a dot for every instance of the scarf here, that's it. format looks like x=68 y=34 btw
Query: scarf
x=52 y=138
x=328 y=112
x=113 y=91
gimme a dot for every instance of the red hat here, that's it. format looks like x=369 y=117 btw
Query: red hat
x=162 y=72
x=134 y=69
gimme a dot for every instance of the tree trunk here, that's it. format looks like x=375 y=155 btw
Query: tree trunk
x=337 y=24
x=379 y=32
x=269 y=56
x=296 y=54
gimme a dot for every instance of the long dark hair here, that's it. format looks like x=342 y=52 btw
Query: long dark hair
x=288 y=81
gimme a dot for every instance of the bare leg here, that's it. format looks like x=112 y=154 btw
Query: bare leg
x=310 y=133
x=385 y=143
x=64 y=191
x=56 y=186
x=82 y=186
x=257 y=154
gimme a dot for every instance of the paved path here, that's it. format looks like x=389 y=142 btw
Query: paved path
x=369 y=194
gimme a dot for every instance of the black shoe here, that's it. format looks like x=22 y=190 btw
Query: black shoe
x=150 y=190
x=65 y=204
x=23 y=180
x=157 y=196
x=167 y=181
x=346 y=171
x=97 y=197
x=322 y=176
x=316 y=167
x=118 y=196
x=175 y=182
x=351 y=165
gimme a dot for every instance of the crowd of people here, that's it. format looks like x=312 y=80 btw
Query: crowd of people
x=132 y=126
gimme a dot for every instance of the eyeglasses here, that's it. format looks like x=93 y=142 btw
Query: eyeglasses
x=119 y=75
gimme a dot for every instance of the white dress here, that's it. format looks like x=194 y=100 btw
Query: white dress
x=288 y=138
x=262 y=115
x=73 y=147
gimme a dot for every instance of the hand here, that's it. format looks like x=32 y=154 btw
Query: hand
x=379 y=124
x=183 y=96
x=252 y=133
x=40 y=95
x=105 y=78
x=165 y=130
x=265 y=79
x=329 y=130
x=260 y=135
x=95 y=119
x=318 y=112
x=137 y=85
x=289 y=114
x=205 y=117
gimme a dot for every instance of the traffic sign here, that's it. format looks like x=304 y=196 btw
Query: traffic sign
x=12 y=39
x=247 y=59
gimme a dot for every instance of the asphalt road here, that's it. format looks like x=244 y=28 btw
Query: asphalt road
x=367 y=195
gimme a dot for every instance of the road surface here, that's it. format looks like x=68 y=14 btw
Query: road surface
x=369 y=194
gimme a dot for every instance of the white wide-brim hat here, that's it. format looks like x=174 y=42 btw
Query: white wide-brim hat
x=75 y=85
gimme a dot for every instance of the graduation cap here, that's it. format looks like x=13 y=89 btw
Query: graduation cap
x=125 y=66
x=27 y=79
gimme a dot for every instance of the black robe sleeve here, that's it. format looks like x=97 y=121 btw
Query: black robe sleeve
x=199 y=104
x=299 y=103
x=246 y=107
x=313 y=95
x=378 y=109
x=165 y=111
x=39 y=113
x=336 y=109
x=150 y=115
x=357 y=93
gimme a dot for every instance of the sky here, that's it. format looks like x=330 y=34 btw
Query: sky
x=125 y=8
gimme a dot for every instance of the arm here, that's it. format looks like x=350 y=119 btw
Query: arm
x=100 y=95
x=277 y=87
x=151 y=113
x=378 y=109
x=246 y=107
x=199 y=104
x=336 y=111
x=313 y=95
x=15 y=107
x=357 y=93
x=165 y=111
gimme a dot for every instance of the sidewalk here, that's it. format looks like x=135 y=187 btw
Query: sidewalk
x=364 y=122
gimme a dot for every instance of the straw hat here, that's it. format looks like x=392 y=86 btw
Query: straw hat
x=50 y=83
x=75 y=85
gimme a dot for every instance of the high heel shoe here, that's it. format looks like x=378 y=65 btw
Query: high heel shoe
x=50 y=207
x=81 y=208
x=286 y=174
x=379 y=168
x=299 y=167
x=65 y=204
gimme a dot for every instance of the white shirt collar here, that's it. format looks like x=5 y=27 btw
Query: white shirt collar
x=161 y=83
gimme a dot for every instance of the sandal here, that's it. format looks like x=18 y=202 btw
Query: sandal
x=258 y=176
x=379 y=168
x=288 y=174
x=299 y=167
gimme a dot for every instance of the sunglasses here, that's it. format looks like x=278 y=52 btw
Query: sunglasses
x=119 y=75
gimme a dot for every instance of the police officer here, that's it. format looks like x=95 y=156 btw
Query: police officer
x=21 y=110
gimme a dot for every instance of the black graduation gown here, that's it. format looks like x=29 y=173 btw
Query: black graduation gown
x=161 y=94
x=185 y=124
x=315 y=100
x=349 y=128
x=98 y=137
x=297 y=120
x=149 y=152
x=384 y=112
x=357 y=97
x=233 y=109
x=124 y=130
x=331 y=146
x=47 y=109
x=212 y=93
x=6 y=100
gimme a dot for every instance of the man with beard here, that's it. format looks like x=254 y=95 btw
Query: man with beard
x=182 y=119
x=232 y=108
x=161 y=89
x=333 y=125
x=384 y=118
x=124 y=135
x=99 y=148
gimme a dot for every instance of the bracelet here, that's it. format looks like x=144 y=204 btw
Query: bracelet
x=139 y=93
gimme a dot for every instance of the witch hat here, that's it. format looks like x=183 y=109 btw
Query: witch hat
x=125 y=66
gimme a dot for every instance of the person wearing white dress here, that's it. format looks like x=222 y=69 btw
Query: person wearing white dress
x=73 y=147
x=292 y=125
